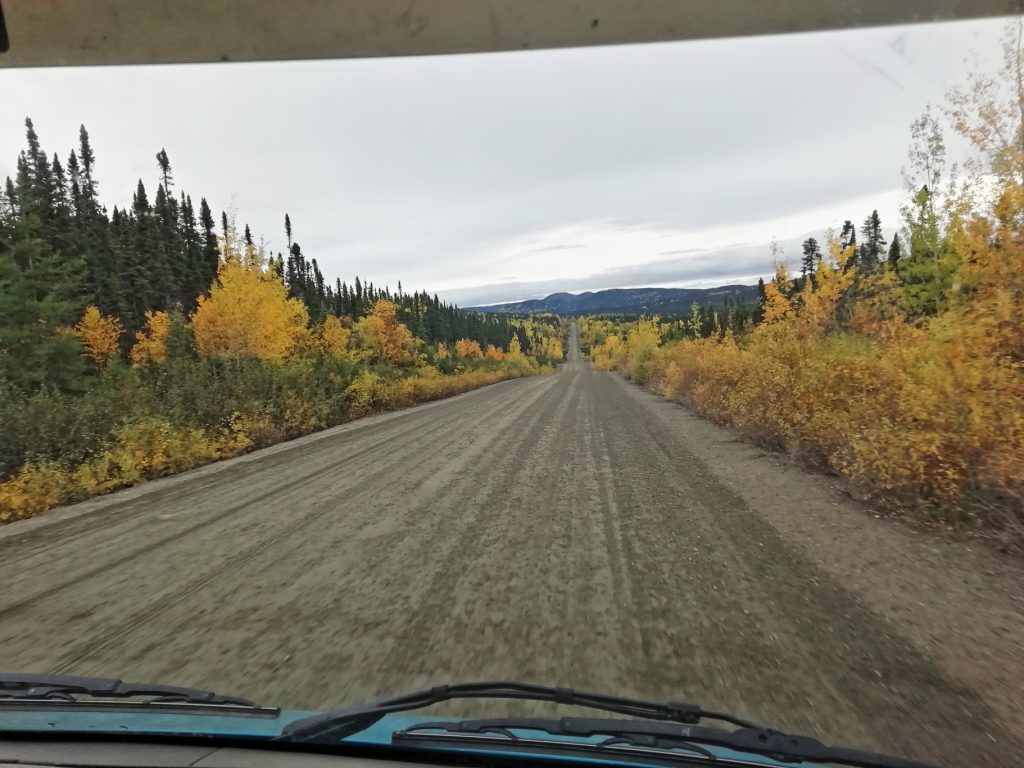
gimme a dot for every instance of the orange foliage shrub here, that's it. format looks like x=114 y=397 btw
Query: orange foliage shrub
x=384 y=337
x=99 y=335
x=469 y=349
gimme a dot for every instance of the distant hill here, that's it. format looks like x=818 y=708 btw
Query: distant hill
x=626 y=301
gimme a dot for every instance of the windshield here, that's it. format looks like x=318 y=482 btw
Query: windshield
x=682 y=371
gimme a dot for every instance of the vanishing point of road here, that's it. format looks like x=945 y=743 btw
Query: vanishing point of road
x=568 y=529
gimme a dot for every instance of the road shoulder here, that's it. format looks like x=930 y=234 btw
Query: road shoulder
x=958 y=601
x=121 y=496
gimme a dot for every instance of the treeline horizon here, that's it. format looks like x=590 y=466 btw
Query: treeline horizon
x=149 y=341
x=65 y=252
x=737 y=315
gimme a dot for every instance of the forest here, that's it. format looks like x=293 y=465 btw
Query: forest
x=147 y=340
x=895 y=364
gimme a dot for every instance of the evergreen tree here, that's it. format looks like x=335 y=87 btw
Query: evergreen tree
x=848 y=235
x=165 y=169
x=151 y=285
x=808 y=263
x=34 y=305
x=894 y=252
x=167 y=247
x=209 y=250
x=86 y=156
x=41 y=285
x=873 y=245
x=192 y=283
x=94 y=238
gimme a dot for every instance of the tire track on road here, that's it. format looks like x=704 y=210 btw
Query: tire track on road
x=472 y=543
x=281 y=537
x=611 y=520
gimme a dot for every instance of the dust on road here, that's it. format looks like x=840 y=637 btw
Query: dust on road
x=570 y=530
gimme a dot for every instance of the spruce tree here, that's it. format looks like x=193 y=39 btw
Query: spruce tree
x=151 y=285
x=895 y=251
x=193 y=282
x=848 y=235
x=168 y=252
x=808 y=262
x=209 y=250
x=86 y=156
x=873 y=245
x=165 y=170
x=94 y=233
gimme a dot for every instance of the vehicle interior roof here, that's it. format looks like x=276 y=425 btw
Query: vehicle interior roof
x=98 y=32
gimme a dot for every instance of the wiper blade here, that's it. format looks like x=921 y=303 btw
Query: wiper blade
x=648 y=734
x=67 y=688
x=341 y=723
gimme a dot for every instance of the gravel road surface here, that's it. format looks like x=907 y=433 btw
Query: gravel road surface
x=569 y=529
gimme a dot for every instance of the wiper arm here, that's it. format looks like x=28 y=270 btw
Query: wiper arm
x=659 y=735
x=341 y=723
x=66 y=688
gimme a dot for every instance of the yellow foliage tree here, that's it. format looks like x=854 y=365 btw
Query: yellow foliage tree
x=605 y=355
x=776 y=306
x=515 y=349
x=151 y=341
x=248 y=313
x=469 y=349
x=99 y=335
x=381 y=335
x=333 y=338
x=641 y=344
x=552 y=348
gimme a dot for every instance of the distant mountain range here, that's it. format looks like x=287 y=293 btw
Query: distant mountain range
x=626 y=301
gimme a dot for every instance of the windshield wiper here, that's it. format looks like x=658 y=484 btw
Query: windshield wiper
x=66 y=688
x=492 y=733
x=341 y=723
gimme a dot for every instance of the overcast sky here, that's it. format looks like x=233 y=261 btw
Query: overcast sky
x=502 y=176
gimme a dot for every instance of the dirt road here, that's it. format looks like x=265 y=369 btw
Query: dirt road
x=569 y=529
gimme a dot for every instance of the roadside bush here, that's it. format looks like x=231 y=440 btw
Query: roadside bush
x=925 y=415
x=32 y=489
x=280 y=402
x=51 y=426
